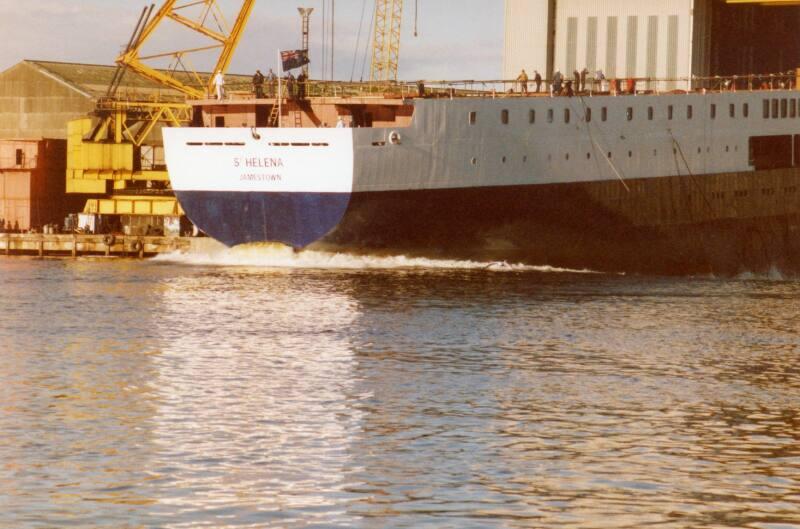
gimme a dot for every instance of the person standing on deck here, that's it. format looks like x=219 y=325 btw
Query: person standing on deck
x=523 y=82
x=558 y=78
x=258 y=84
x=219 y=84
x=576 y=75
x=537 y=78
x=584 y=74
x=272 y=80
x=290 y=86
x=301 y=86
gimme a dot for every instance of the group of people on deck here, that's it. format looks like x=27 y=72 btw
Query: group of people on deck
x=7 y=227
x=560 y=85
x=295 y=87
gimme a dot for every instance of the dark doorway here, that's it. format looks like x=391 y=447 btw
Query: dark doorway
x=754 y=39
x=262 y=115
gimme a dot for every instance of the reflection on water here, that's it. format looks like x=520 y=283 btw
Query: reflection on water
x=167 y=395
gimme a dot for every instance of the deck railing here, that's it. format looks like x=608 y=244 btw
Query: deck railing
x=588 y=85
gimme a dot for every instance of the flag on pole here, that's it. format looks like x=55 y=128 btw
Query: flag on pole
x=294 y=59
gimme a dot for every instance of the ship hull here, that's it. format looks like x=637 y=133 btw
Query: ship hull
x=664 y=184
x=566 y=225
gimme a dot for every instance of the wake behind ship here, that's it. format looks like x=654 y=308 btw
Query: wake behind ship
x=690 y=182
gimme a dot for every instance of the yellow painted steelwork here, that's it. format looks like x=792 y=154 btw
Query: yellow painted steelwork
x=101 y=152
x=386 y=40
x=197 y=15
x=135 y=205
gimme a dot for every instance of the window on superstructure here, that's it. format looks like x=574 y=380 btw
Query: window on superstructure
x=670 y=112
x=588 y=115
x=531 y=116
x=713 y=111
x=549 y=115
x=746 y=110
x=604 y=114
x=473 y=118
x=650 y=113
x=629 y=113
x=766 y=109
x=732 y=110
x=504 y=116
x=689 y=111
x=775 y=109
x=219 y=121
x=20 y=158
x=793 y=108
x=566 y=115
x=784 y=108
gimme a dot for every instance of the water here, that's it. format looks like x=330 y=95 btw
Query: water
x=324 y=391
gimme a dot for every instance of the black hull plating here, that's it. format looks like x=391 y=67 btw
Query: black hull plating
x=720 y=224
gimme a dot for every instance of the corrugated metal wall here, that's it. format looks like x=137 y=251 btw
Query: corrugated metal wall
x=526 y=39
x=624 y=38
x=33 y=105
x=641 y=39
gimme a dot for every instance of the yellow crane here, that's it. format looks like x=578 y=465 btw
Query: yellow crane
x=114 y=156
x=386 y=40
x=203 y=17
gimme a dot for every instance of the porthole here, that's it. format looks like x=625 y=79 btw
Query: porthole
x=566 y=156
x=609 y=154
x=588 y=155
x=629 y=113
x=504 y=159
x=474 y=161
x=504 y=117
x=727 y=149
x=655 y=152
x=630 y=154
x=524 y=159
x=699 y=150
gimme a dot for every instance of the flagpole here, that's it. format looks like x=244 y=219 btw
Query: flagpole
x=280 y=91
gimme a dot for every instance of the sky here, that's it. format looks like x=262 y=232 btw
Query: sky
x=458 y=39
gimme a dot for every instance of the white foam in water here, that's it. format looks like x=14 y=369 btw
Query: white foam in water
x=280 y=256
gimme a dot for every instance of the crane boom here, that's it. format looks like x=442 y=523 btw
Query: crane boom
x=386 y=40
x=197 y=15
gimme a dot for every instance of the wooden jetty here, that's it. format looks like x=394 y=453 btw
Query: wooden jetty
x=73 y=245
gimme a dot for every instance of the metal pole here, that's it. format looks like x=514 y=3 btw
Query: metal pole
x=280 y=91
x=333 y=29
x=305 y=13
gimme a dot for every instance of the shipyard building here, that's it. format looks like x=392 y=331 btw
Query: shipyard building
x=671 y=40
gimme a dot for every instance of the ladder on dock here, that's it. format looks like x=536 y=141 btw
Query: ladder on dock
x=298 y=119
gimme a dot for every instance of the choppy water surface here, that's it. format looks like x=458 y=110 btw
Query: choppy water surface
x=347 y=393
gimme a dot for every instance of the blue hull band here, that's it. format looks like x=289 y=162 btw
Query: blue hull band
x=295 y=219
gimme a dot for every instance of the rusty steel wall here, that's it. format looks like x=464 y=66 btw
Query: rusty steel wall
x=32 y=185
